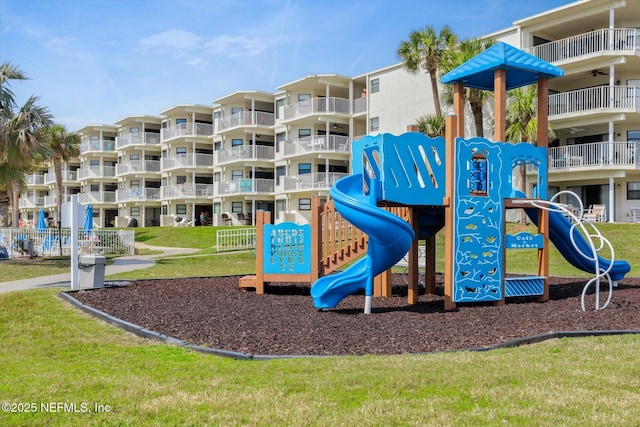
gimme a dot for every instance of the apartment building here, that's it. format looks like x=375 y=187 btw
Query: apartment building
x=255 y=150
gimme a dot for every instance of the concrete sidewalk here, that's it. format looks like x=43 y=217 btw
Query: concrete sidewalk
x=120 y=265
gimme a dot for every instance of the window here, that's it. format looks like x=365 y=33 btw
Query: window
x=304 y=133
x=181 y=209
x=236 y=175
x=304 y=168
x=374 y=124
x=236 y=207
x=304 y=204
x=181 y=123
x=181 y=179
x=375 y=85
x=94 y=164
x=134 y=131
x=304 y=99
x=165 y=209
x=633 y=135
x=217 y=208
x=95 y=142
x=134 y=184
x=633 y=190
x=181 y=151
x=95 y=188
x=134 y=159
x=236 y=142
x=134 y=211
x=280 y=172
x=217 y=176
x=216 y=115
x=236 y=110
x=478 y=175
x=279 y=107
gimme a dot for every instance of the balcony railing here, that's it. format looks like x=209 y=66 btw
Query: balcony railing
x=595 y=99
x=97 y=172
x=613 y=155
x=187 y=161
x=243 y=186
x=310 y=181
x=613 y=40
x=50 y=201
x=34 y=179
x=137 y=194
x=187 y=191
x=317 y=106
x=246 y=118
x=89 y=146
x=97 y=197
x=138 y=167
x=67 y=176
x=187 y=129
x=359 y=105
x=244 y=152
x=310 y=144
x=31 y=202
x=148 y=138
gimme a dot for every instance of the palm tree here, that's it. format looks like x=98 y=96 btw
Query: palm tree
x=64 y=146
x=466 y=50
x=432 y=125
x=425 y=50
x=522 y=125
x=20 y=136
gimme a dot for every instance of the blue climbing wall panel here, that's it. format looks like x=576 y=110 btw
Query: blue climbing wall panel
x=412 y=172
x=479 y=221
x=288 y=248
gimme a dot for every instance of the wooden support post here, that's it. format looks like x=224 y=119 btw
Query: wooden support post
x=543 y=215
x=452 y=127
x=262 y=218
x=382 y=284
x=414 y=291
x=499 y=104
x=316 y=239
x=458 y=110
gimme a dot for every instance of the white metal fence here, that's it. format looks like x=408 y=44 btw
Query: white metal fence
x=19 y=242
x=234 y=239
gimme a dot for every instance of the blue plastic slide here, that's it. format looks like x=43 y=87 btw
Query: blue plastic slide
x=389 y=240
x=559 y=233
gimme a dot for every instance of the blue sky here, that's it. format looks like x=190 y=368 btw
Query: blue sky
x=95 y=62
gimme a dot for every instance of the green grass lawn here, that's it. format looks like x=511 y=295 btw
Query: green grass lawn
x=51 y=353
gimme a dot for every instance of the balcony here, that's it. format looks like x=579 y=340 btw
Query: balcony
x=97 y=197
x=603 y=155
x=186 y=129
x=187 y=191
x=31 y=202
x=50 y=201
x=146 y=166
x=97 y=146
x=97 y=172
x=67 y=176
x=600 y=99
x=244 y=153
x=243 y=186
x=314 y=144
x=133 y=139
x=183 y=161
x=334 y=106
x=359 y=105
x=137 y=194
x=616 y=41
x=309 y=181
x=34 y=179
x=246 y=118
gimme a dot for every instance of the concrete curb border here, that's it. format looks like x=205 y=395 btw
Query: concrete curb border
x=146 y=333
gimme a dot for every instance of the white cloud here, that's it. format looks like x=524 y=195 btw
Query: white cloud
x=236 y=46
x=57 y=42
x=172 y=39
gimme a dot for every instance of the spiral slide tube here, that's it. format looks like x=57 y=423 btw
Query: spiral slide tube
x=389 y=240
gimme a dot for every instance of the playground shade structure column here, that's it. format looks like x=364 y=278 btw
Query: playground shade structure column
x=389 y=240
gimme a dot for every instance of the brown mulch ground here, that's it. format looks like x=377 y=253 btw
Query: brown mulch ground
x=213 y=312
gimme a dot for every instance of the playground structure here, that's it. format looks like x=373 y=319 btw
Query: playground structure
x=463 y=185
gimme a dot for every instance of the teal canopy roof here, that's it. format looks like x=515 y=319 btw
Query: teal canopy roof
x=522 y=68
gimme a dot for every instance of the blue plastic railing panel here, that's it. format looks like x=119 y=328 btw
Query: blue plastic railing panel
x=410 y=167
x=288 y=248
